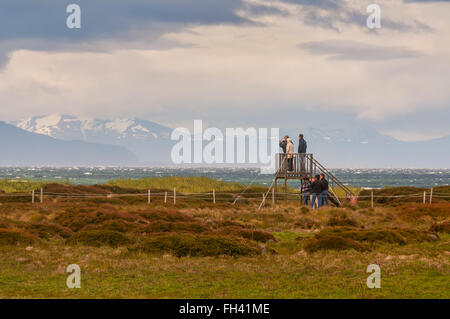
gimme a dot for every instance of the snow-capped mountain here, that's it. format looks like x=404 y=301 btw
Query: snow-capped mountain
x=73 y=128
x=343 y=147
x=22 y=148
x=148 y=140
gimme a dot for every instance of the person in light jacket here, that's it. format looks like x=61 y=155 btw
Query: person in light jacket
x=290 y=154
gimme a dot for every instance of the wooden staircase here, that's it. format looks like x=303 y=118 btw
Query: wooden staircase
x=300 y=166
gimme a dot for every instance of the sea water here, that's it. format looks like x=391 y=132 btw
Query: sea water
x=371 y=178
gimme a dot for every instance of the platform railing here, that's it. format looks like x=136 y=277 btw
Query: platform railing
x=303 y=165
x=294 y=165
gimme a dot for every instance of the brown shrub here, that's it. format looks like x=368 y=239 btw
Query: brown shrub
x=48 y=230
x=305 y=210
x=76 y=219
x=201 y=246
x=56 y=188
x=443 y=227
x=306 y=223
x=256 y=235
x=339 y=221
x=118 y=225
x=4 y=224
x=333 y=242
x=419 y=211
x=226 y=223
x=14 y=237
x=167 y=215
x=162 y=226
x=98 y=238
x=386 y=235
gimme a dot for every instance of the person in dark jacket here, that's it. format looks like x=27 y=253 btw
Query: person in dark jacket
x=306 y=191
x=324 y=194
x=302 y=145
x=316 y=190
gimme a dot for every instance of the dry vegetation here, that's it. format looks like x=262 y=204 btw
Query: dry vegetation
x=196 y=249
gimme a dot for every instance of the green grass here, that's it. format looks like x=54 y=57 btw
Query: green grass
x=193 y=184
x=19 y=186
x=410 y=272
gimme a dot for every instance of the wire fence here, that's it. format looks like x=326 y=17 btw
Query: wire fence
x=213 y=196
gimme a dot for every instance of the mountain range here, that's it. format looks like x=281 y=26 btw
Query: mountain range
x=68 y=140
x=23 y=148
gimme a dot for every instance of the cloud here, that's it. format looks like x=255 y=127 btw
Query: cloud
x=241 y=65
x=426 y=1
x=339 y=14
x=353 y=50
x=107 y=25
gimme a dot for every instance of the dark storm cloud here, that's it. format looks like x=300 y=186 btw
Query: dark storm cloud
x=352 y=50
x=122 y=20
x=41 y=24
x=47 y=18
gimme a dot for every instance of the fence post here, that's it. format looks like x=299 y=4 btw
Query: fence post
x=424 y=197
x=42 y=195
x=174 y=195
x=32 y=196
x=264 y=199
x=214 y=196
x=149 y=197
x=273 y=196
x=371 y=199
x=431 y=195
x=165 y=197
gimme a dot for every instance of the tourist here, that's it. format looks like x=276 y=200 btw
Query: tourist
x=290 y=154
x=283 y=144
x=316 y=190
x=306 y=191
x=302 y=145
x=324 y=194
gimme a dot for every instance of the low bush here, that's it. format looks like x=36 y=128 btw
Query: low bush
x=76 y=219
x=306 y=223
x=98 y=238
x=161 y=226
x=253 y=234
x=167 y=215
x=117 y=225
x=386 y=235
x=333 y=242
x=197 y=246
x=4 y=224
x=443 y=227
x=48 y=230
x=339 y=221
x=413 y=212
x=15 y=237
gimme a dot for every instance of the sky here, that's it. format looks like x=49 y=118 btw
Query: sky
x=261 y=63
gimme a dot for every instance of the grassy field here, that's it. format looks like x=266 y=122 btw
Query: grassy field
x=19 y=186
x=195 y=249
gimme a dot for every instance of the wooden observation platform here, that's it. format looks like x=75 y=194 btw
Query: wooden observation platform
x=300 y=166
